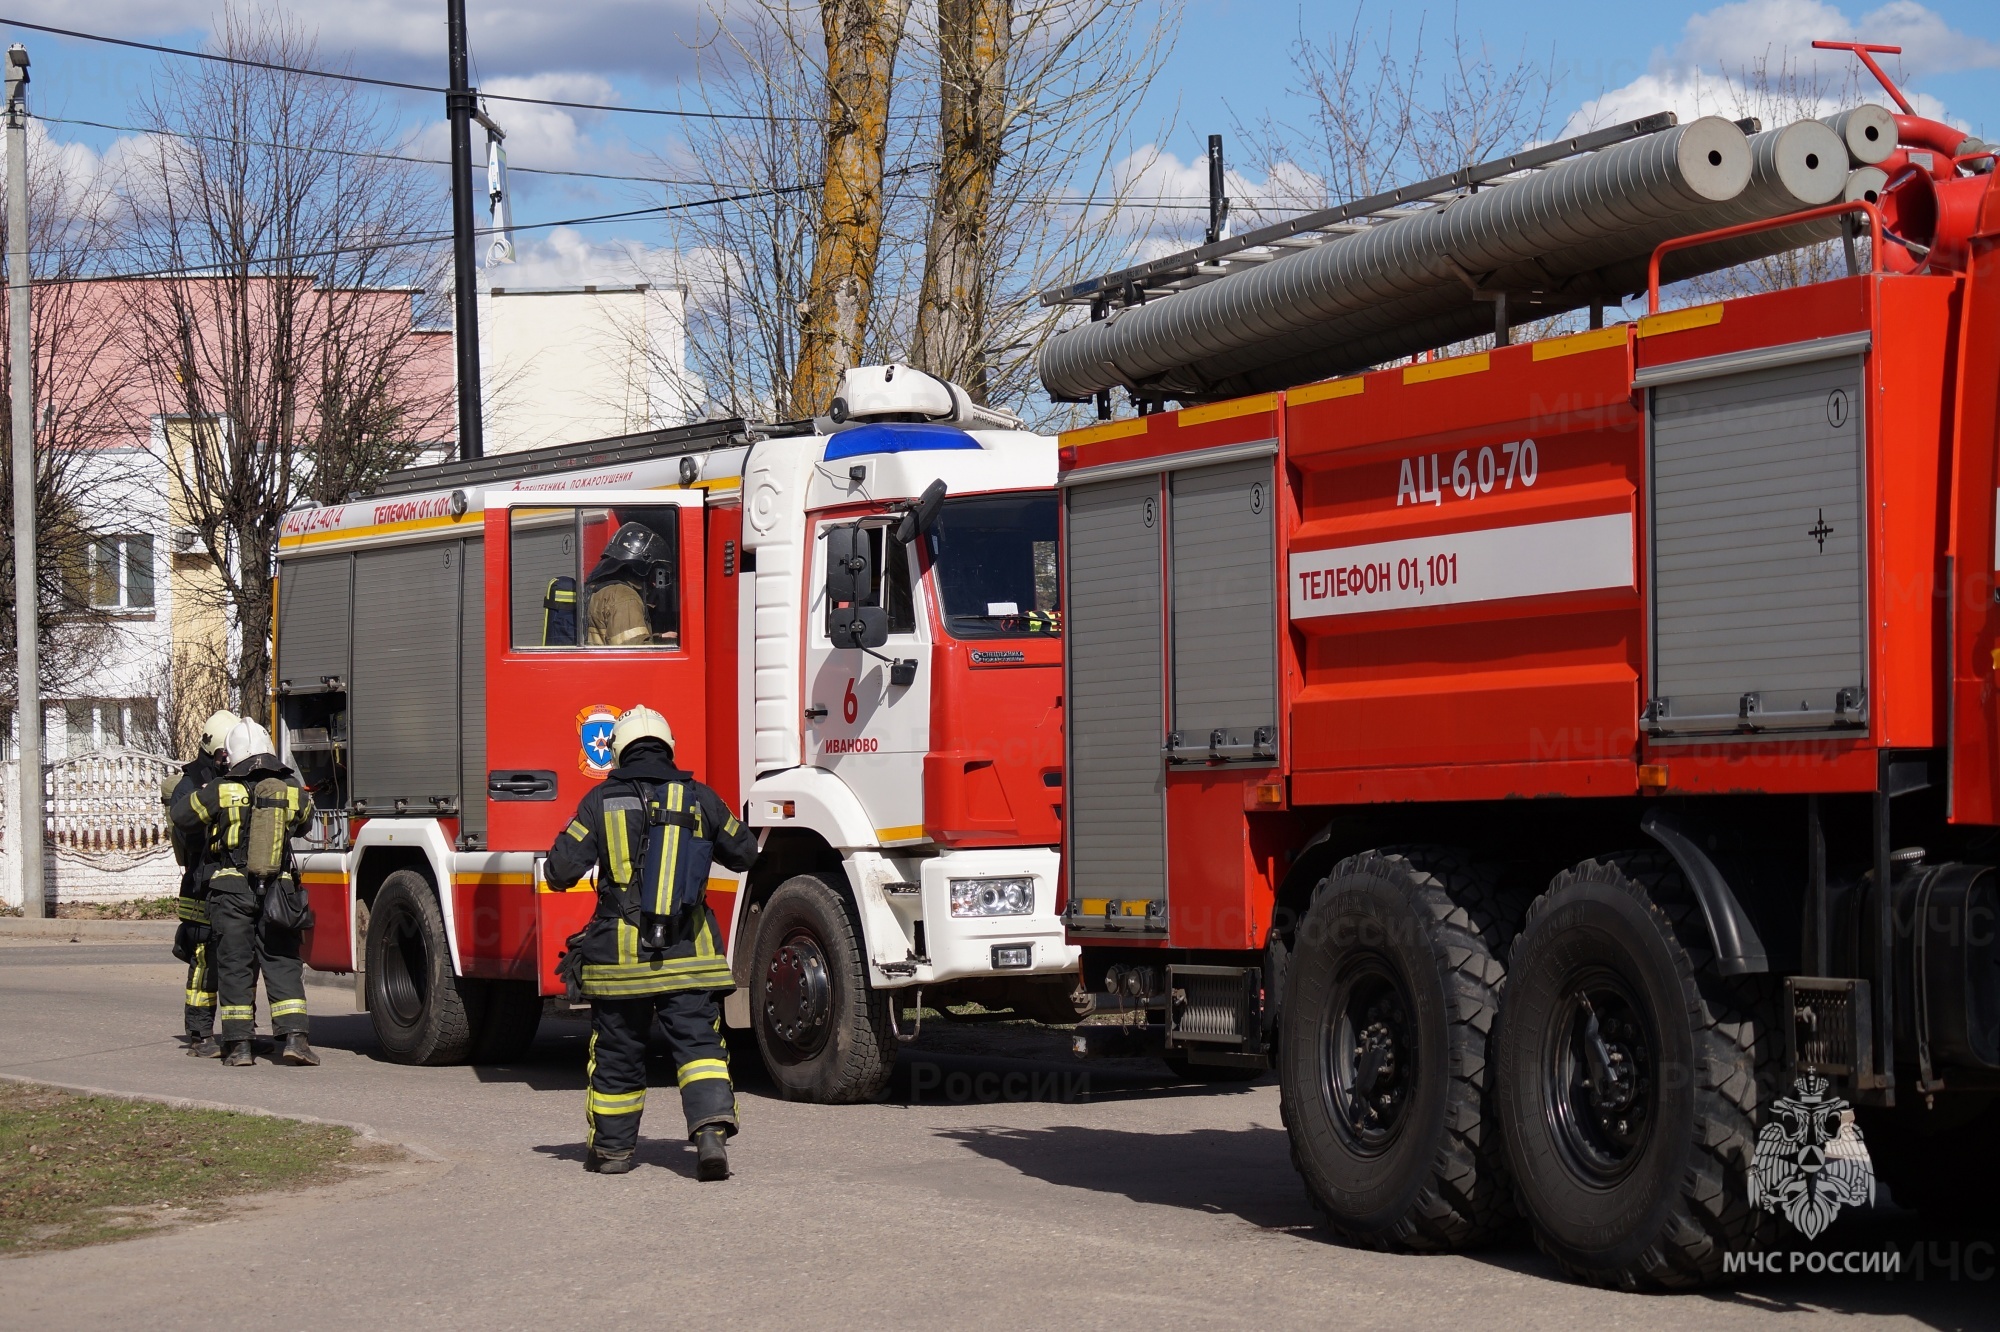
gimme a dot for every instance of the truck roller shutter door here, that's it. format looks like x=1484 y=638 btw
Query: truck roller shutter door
x=472 y=700
x=1115 y=783
x=404 y=703
x=312 y=621
x=1224 y=659
x=1757 y=550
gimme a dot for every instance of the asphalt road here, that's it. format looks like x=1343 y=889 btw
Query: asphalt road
x=999 y=1185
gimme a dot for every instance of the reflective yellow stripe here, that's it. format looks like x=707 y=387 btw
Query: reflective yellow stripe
x=624 y=1103
x=287 y=1007
x=239 y=1012
x=200 y=810
x=617 y=848
x=634 y=635
x=731 y=827
x=201 y=998
x=589 y=1076
x=628 y=944
x=189 y=909
x=696 y=1070
x=578 y=830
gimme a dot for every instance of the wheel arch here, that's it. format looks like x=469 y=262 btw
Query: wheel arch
x=413 y=844
x=786 y=852
x=1739 y=949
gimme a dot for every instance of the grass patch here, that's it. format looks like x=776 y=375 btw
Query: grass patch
x=78 y=1169
x=142 y=908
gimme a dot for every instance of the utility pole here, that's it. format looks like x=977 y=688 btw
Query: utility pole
x=27 y=650
x=459 y=107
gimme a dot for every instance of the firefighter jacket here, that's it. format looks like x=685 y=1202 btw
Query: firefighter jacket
x=224 y=811
x=652 y=831
x=616 y=616
x=191 y=844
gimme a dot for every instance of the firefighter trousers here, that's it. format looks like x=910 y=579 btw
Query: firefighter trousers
x=245 y=946
x=198 y=1000
x=692 y=1020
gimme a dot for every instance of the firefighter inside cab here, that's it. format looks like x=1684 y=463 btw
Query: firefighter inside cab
x=651 y=831
x=629 y=598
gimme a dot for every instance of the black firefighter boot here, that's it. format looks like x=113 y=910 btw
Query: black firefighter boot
x=711 y=1156
x=598 y=1164
x=298 y=1051
x=203 y=1045
x=238 y=1055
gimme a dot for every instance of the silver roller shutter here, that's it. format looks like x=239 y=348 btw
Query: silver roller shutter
x=1758 y=541
x=1116 y=779
x=472 y=698
x=1224 y=660
x=312 y=621
x=404 y=701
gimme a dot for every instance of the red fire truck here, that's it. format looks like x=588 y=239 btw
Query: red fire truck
x=447 y=688
x=1572 y=764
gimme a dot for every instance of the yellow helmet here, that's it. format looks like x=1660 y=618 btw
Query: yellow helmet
x=215 y=731
x=639 y=723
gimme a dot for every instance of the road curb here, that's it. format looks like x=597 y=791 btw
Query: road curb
x=78 y=931
x=366 y=1132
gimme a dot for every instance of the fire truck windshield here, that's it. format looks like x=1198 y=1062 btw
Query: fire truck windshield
x=994 y=558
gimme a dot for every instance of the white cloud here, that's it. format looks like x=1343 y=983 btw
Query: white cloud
x=567 y=257
x=1705 y=73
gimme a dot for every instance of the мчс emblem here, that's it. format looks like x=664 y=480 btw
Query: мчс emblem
x=1811 y=1160
x=593 y=736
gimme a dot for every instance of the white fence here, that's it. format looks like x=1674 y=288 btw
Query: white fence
x=107 y=834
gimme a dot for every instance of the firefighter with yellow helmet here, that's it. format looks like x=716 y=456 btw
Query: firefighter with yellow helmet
x=194 y=941
x=257 y=908
x=651 y=831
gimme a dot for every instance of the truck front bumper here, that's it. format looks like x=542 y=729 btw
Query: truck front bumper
x=958 y=947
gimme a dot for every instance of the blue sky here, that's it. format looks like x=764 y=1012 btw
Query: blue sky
x=1229 y=66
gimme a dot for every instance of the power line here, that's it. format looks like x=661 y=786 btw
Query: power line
x=438 y=237
x=248 y=63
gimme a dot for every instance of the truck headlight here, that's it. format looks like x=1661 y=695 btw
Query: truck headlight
x=992 y=897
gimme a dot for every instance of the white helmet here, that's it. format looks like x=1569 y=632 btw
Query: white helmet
x=247 y=740
x=215 y=731
x=637 y=724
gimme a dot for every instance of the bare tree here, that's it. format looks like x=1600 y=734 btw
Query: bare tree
x=1377 y=115
x=747 y=262
x=1036 y=175
x=861 y=38
x=276 y=326
x=78 y=409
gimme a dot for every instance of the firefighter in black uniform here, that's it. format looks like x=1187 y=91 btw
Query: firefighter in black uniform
x=194 y=940
x=249 y=815
x=651 y=831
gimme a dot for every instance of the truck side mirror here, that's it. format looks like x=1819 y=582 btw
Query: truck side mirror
x=850 y=585
x=922 y=515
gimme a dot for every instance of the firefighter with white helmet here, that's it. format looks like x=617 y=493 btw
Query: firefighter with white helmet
x=651 y=831
x=194 y=940
x=248 y=815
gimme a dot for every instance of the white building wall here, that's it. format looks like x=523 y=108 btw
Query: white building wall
x=563 y=364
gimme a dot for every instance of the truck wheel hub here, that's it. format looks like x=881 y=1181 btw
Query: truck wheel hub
x=798 y=993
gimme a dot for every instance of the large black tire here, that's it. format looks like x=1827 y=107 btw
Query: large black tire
x=512 y=1014
x=421 y=1012
x=1938 y=1160
x=1632 y=1152
x=1394 y=980
x=824 y=1032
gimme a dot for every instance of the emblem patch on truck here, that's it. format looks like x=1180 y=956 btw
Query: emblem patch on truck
x=1811 y=1160
x=593 y=738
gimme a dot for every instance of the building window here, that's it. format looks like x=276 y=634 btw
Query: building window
x=94 y=723
x=121 y=572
